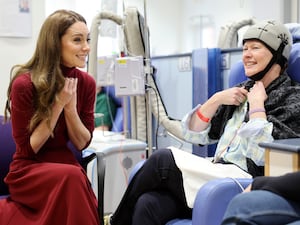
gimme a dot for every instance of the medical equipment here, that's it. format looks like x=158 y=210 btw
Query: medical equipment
x=142 y=106
x=120 y=155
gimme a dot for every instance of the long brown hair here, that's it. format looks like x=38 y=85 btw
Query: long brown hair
x=44 y=66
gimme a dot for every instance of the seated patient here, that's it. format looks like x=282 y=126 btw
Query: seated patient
x=262 y=109
x=267 y=201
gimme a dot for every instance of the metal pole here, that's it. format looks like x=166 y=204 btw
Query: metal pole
x=147 y=74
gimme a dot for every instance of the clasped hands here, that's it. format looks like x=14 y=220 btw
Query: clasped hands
x=67 y=97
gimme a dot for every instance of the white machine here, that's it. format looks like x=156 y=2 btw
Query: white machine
x=129 y=76
x=120 y=156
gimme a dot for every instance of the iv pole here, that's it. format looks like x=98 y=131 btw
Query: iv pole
x=147 y=74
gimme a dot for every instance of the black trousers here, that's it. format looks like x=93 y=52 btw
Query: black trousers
x=155 y=195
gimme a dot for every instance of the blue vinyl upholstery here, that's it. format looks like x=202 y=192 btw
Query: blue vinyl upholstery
x=118 y=122
x=7 y=149
x=237 y=74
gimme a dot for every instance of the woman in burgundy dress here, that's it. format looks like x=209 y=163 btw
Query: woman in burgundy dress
x=51 y=103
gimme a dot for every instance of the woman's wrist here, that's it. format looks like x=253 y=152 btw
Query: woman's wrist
x=256 y=110
x=59 y=102
x=202 y=117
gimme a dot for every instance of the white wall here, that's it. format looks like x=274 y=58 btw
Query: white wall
x=209 y=16
x=87 y=10
x=18 y=50
x=176 y=26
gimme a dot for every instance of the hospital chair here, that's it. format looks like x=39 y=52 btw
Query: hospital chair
x=236 y=74
x=7 y=150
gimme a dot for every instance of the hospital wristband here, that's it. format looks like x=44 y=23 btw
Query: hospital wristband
x=256 y=110
x=202 y=117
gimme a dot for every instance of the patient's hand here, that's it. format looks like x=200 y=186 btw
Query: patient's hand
x=248 y=189
x=232 y=96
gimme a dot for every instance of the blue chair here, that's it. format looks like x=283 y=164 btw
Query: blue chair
x=212 y=199
x=118 y=122
x=294 y=63
x=7 y=149
x=236 y=74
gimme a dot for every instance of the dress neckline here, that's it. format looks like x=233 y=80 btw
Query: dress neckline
x=67 y=71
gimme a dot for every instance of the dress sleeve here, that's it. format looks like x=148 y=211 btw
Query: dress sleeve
x=22 y=108
x=286 y=185
x=86 y=101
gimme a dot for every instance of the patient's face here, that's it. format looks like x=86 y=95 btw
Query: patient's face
x=256 y=57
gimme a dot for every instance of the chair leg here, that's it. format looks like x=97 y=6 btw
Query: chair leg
x=101 y=176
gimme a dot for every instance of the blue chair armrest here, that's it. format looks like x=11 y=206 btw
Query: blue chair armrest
x=180 y=222
x=213 y=198
x=135 y=169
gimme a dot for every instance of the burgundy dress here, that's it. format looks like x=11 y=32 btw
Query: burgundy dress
x=49 y=187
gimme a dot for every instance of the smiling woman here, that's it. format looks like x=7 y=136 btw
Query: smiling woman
x=75 y=45
x=256 y=56
x=51 y=103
